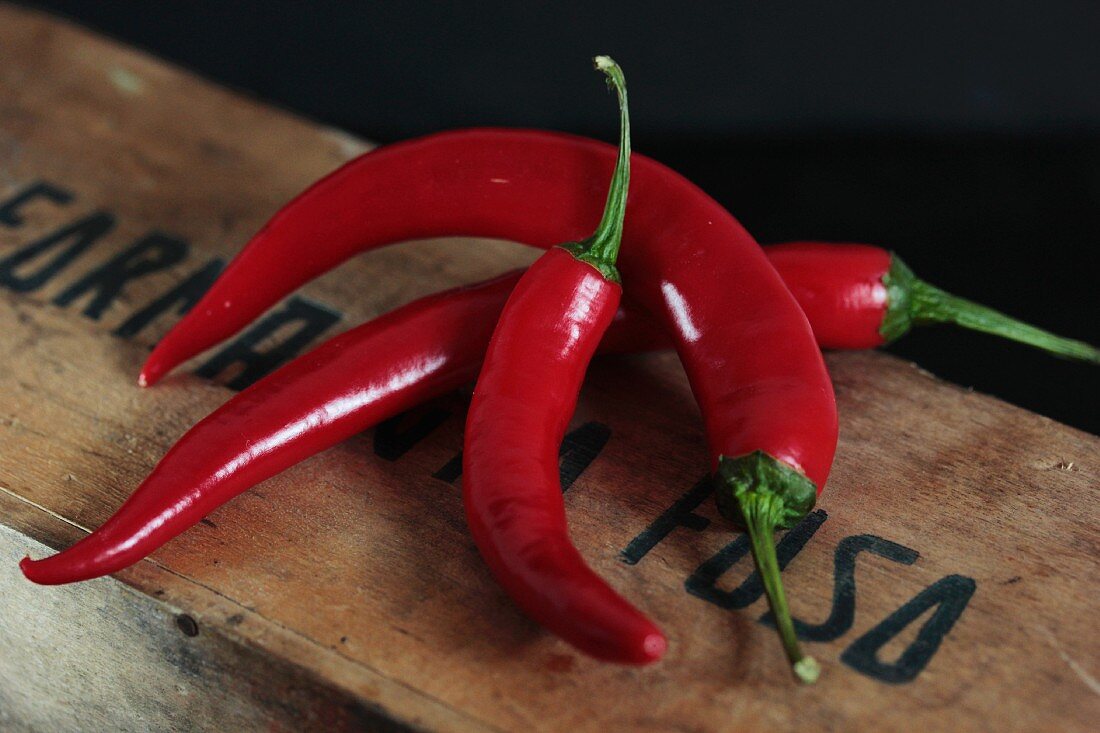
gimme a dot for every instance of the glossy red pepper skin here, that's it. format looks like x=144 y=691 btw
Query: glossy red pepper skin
x=840 y=288
x=525 y=395
x=747 y=348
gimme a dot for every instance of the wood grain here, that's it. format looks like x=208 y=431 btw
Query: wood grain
x=346 y=594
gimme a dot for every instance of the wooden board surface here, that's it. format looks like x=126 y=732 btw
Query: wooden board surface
x=948 y=579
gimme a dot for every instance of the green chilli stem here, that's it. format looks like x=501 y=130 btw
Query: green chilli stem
x=763 y=494
x=911 y=301
x=760 y=513
x=601 y=250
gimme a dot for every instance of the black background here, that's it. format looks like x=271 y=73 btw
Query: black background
x=965 y=136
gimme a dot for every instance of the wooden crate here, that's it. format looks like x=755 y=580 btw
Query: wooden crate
x=948 y=579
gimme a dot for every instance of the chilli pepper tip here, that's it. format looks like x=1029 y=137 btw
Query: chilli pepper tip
x=59 y=569
x=653 y=647
x=29 y=569
x=151 y=371
x=42 y=572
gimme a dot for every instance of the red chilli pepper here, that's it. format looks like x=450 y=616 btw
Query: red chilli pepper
x=747 y=348
x=858 y=297
x=525 y=395
x=430 y=347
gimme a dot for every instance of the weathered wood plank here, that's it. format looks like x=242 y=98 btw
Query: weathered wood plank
x=354 y=572
x=102 y=655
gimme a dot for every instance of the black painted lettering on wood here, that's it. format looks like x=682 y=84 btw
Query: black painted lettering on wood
x=71 y=240
x=451 y=470
x=950 y=595
x=10 y=210
x=394 y=438
x=579 y=448
x=304 y=319
x=703 y=583
x=152 y=253
x=843 y=613
x=182 y=298
x=680 y=514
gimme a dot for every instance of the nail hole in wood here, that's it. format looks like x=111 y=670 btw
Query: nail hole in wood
x=187 y=625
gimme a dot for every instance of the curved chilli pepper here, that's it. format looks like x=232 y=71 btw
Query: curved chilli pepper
x=855 y=295
x=858 y=296
x=525 y=395
x=430 y=347
x=747 y=348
